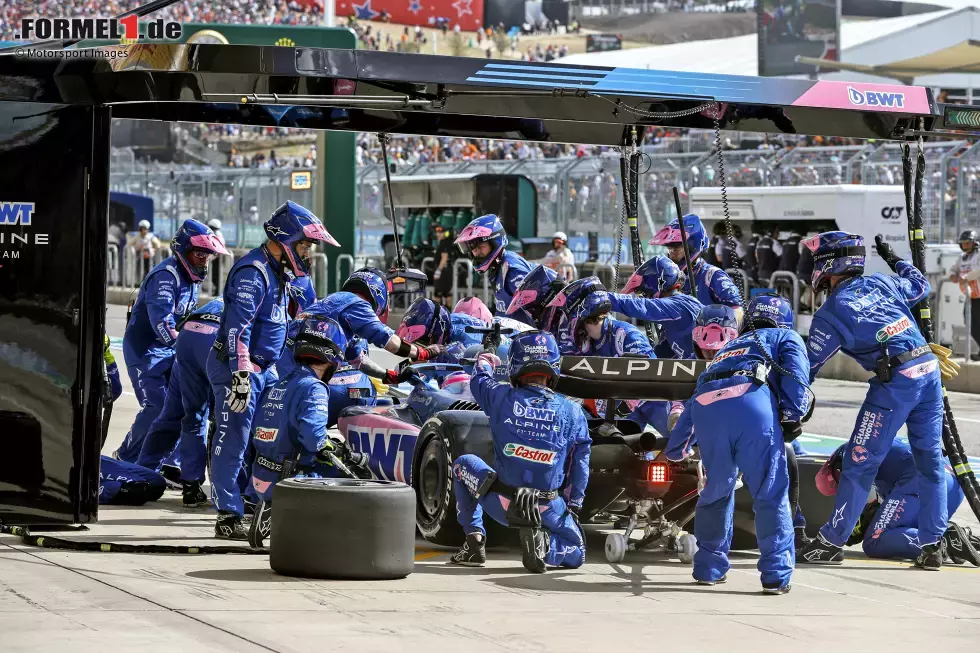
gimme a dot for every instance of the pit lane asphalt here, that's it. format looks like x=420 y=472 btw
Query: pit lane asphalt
x=54 y=600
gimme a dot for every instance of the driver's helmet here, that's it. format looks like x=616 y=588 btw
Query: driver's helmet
x=534 y=352
x=425 y=323
x=474 y=307
x=835 y=253
x=457 y=383
x=486 y=228
x=654 y=278
x=320 y=340
x=195 y=245
x=769 y=311
x=292 y=223
x=372 y=285
x=697 y=237
x=716 y=325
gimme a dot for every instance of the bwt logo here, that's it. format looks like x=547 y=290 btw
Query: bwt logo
x=875 y=98
x=12 y=213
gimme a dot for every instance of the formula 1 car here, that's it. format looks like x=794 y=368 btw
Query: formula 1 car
x=416 y=440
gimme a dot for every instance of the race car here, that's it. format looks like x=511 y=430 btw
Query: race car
x=416 y=439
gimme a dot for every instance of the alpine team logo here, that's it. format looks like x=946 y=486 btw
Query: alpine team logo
x=875 y=98
x=893 y=329
x=20 y=216
x=531 y=412
x=531 y=455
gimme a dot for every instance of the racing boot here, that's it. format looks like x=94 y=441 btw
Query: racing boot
x=473 y=553
x=230 y=527
x=171 y=475
x=710 y=583
x=194 y=496
x=534 y=547
x=960 y=546
x=776 y=588
x=931 y=558
x=819 y=551
x=800 y=537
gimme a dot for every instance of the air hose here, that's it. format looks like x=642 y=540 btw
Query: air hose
x=61 y=544
x=951 y=437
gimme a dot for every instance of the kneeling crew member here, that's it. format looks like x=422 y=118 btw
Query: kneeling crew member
x=888 y=527
x=537 y=435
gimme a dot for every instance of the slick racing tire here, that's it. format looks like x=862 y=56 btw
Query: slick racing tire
x=342 y=528
x=442 y=440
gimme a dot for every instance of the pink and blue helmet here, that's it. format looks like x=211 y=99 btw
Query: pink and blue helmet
x=697 y=237
x=425 y=322
x=654 y=278
x=835 y=253
x=568 y=298
x=474 y=307
x=320 y=339
x=292 y=223
x=485 y=229
x=533 y=295
x=195 y=245
x=716 y=325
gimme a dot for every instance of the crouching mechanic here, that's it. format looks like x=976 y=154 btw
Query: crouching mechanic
x=290 y=428
x=742 y=410
x=427 y=323
x=121 y=483
x=870 y=319
x=484 y=240
x=888 y=524
x=537 y=435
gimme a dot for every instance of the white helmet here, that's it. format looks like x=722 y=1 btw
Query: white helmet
x=144 y=224
x=214 y=223
x=561 y=235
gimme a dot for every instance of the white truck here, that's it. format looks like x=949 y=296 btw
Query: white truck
x=865 y=210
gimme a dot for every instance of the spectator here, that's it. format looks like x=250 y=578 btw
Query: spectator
x=768 y=251
x=560 y=258
x=145 y=245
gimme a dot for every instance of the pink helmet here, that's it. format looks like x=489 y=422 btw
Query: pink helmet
x=457 y=383
x=828 y=477
x=474 y=307
x=715 y=326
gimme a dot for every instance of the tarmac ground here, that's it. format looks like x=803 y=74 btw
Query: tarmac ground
x=57 y=600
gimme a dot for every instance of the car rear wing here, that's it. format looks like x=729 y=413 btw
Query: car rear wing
x=594 y=377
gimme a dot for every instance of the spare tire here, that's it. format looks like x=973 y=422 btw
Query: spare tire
x=342 y=528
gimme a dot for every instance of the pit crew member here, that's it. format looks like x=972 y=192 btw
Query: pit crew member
x=484 y=240
x=538 y=435
x=870 y=319
x=712 y=285
x=249 y=341
x=888 y=524
x=166 y=295
x=744 y=411
x=184 y=417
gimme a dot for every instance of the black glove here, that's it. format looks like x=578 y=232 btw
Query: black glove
x=791 y=430
x=886 y=252
x=575 y=510
x=241 y=390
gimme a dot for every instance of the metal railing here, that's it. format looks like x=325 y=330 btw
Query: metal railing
x=794 y=284
x=112 y=264
x=467 y=266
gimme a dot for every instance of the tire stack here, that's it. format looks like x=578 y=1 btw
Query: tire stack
x=343 y=529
